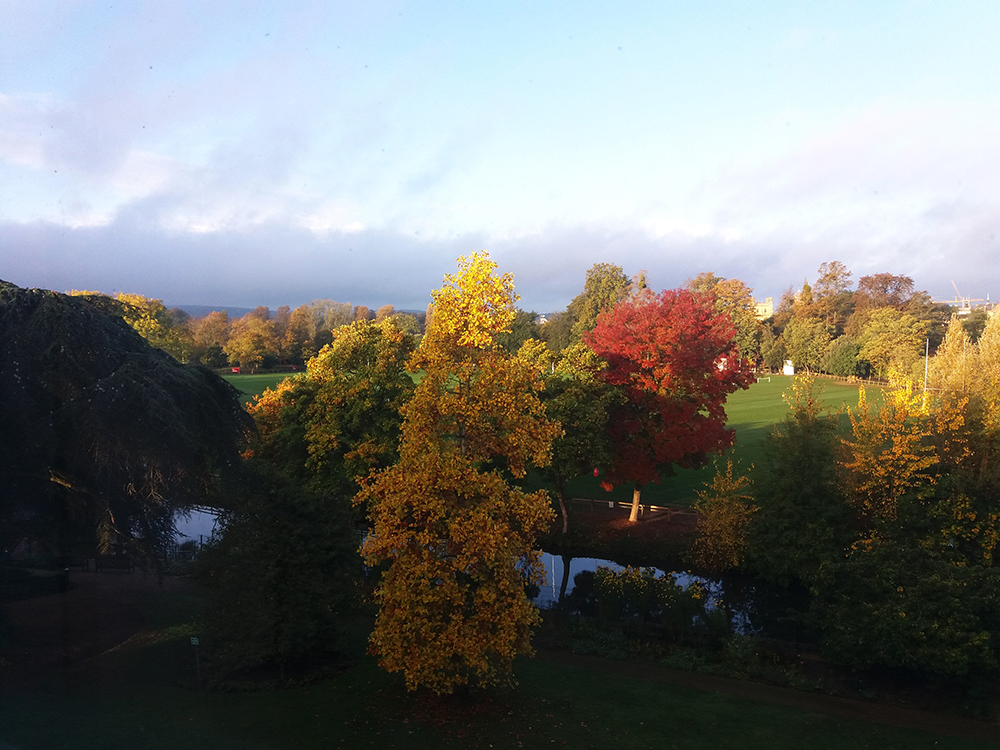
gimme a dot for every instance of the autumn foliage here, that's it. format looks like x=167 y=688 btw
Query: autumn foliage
x=675 y=358
x=340 y=419
x=458 y=539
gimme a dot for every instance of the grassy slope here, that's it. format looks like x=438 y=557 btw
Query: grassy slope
x=143 y=696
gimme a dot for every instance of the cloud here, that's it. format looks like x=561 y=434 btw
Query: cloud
x=275 y=264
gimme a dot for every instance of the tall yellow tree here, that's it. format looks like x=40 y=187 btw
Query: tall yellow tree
x=897 y=444
x=985 y=376
x=953 y=366
x=459 y=539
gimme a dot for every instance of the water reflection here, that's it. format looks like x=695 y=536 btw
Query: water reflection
x=752 y=606
x=556 y=576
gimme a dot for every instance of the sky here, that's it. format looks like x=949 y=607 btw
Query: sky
x=274 y=153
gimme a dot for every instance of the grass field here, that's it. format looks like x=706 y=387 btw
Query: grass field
x=144 y=696
x=752 y=413
x=254 y=385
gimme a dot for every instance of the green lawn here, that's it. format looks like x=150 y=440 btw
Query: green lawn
x=752 y=413
x=251 y=386
x=144 y=696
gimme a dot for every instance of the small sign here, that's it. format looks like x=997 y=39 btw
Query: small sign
x=194 y=641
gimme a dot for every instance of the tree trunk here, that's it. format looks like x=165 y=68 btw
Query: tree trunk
x=566 y=560
x=634 y=515
x=561 y=494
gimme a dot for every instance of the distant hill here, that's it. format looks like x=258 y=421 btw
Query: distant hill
x=200 y=311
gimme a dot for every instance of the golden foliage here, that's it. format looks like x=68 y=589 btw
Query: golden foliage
x=475 y=319
x=896 y=443
x=460 y=541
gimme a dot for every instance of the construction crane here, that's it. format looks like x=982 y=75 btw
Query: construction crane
x=964 y=304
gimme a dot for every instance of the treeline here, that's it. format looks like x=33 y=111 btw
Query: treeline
x=828 y=327
x=259 y=339
x=831 y=328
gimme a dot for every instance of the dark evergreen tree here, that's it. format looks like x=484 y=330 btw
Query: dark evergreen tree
x=102 y=437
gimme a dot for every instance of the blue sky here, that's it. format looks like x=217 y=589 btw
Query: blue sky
x=244 y=154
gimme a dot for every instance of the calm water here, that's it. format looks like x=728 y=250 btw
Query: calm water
x=743 y=602
x=549 y=593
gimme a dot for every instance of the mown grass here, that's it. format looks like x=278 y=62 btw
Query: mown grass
x=144 y=696
x=251 y=386
x=753 y=414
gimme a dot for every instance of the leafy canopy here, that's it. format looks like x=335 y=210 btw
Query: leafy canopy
x=459 y=540
x=675 y=358
x=341 y=418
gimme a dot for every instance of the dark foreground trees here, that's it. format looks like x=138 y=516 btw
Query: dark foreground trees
x=894 y=528
x=286 y=566
x=279 y=580
x=103 y=437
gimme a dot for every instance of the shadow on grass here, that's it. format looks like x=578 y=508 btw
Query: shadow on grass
x=142 y=696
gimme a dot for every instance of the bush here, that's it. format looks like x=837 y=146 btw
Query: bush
x=282 y=573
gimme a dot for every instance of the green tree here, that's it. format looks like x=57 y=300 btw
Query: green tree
x=772 y=350
x=606 y=285
x=459 y=540
x=725 y=508
x=807 y=340
x=278 y=581
x=524 y=327
x=578 y=399
x=891 y=338
x=841 y=358
x=803 y=523
x=557 y=333
x=975 y=323
x=340 y=419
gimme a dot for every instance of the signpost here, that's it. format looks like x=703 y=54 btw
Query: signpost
x=197 y=663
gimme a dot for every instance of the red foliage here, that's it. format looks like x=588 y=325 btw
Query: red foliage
x=676 y=359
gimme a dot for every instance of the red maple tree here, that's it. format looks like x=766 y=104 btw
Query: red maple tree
x=676 y=360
